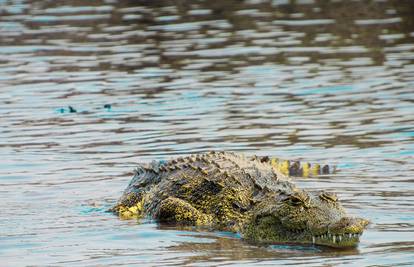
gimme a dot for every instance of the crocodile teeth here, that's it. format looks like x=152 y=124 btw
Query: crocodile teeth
x=335 y=238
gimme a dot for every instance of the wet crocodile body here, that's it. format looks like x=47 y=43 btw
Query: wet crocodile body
x=253 y=196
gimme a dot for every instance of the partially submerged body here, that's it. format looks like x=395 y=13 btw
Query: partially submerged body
x=251 y=196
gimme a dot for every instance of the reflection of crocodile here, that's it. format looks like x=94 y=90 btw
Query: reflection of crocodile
x=252 y=196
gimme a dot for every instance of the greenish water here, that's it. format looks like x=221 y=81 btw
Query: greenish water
x=322 y=81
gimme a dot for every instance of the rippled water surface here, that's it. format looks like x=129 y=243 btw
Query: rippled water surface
x=322 y=81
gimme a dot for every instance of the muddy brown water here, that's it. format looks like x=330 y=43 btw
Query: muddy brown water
x=322 y=81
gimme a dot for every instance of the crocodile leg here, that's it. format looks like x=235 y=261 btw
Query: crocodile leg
x=130 y=206
x=175 y=210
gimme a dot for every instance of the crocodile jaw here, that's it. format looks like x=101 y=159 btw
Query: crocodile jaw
x=270 y=230
x=344 y=233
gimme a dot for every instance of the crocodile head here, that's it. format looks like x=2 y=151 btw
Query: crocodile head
x=303 y=217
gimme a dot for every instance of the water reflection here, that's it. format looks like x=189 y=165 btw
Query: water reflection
x=326 y=81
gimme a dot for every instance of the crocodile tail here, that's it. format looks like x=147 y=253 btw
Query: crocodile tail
x=300 y=169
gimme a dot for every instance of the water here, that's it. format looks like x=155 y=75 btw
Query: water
x=331 y=82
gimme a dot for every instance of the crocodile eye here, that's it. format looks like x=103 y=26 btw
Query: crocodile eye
x=294 y=200
x=327 y=196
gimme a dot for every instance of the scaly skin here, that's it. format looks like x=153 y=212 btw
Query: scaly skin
x=251 y=196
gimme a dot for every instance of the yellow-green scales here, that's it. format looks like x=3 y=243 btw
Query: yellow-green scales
x=249 y=195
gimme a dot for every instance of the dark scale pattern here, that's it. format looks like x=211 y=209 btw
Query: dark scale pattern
x=228 y=191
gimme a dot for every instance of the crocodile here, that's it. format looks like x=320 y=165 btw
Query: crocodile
x=253 y=196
